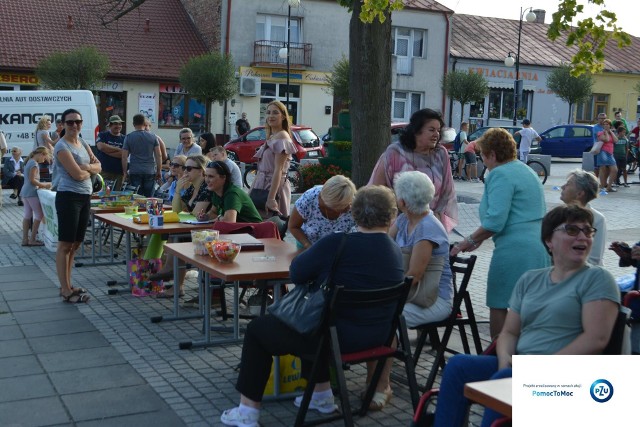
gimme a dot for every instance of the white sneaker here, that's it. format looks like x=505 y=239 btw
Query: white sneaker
x=233 y=417
x=324 y=406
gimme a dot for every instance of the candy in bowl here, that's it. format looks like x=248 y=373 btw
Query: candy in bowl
x=225 y=250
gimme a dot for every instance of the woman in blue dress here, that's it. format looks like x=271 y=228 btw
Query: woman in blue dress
x=511 y=213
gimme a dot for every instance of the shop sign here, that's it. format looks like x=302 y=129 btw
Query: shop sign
x=21 y=79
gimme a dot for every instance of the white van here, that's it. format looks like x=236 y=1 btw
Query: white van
x=20 y=112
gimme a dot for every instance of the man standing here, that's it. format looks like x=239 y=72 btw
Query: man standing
x=146 y=159
x=242 y=125
x=619 y=121
x=527 y=135
x=109 y=145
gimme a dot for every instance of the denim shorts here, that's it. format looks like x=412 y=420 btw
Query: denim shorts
x=606 y=159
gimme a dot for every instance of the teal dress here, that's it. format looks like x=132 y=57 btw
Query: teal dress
x=512 y=207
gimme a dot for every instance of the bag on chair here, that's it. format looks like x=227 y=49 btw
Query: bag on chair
x=302 y=309
x=139 y=272
x=425 y=293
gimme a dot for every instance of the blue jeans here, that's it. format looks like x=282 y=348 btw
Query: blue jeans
x=145 y=182
x=461 y=369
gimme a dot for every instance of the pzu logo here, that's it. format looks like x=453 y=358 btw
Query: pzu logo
x=601 y=391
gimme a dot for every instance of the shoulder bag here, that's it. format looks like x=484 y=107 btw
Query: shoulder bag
x=303 y=308
x=424 y=293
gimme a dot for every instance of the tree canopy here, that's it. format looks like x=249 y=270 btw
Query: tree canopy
x=571 y=89
x=81 y=68
x=464 y=87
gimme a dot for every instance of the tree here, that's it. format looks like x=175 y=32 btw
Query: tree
x=464 y=87
x=81 y=68
x=339 y=80
x=209 y=78
x=569 y=88
x=590 y=35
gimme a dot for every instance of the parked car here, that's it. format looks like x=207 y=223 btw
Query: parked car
x=567 y=140
x=244 y=147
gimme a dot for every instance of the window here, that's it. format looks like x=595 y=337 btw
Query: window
x=501 y=104
x=408 y=42
x=178 y=109
x=274 y=28
x=278 y=92
x=587 y=111
x=404 y=104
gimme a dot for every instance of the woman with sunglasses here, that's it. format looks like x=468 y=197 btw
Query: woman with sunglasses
x=569 y=308
x=176 y=171
x=274 y=157
x=74 y=165
x=511 y=213
x=230 y=203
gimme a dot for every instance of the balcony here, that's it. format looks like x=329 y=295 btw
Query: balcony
x=265 y=53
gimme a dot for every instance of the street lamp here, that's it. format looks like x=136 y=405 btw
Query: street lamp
x=285 y=52
x=510 y=60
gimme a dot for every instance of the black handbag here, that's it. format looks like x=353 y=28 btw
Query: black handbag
x=303 y=308
x=259 y=198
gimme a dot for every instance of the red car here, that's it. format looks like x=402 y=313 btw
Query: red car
x=243 y=148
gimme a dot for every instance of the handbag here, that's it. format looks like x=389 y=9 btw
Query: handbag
x=139 y=272
x=425 y=292
x=259 y=197
x=597 y=147
x=303 y=308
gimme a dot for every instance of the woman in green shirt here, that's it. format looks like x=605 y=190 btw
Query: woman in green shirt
x=230 y=203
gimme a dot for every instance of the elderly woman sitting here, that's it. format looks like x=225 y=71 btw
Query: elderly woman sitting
x=569 y=308
x=369 y=258
x=322 y=210
x=581 y=188
x=425 y=247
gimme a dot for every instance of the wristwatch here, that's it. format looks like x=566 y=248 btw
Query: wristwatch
x=470 y=240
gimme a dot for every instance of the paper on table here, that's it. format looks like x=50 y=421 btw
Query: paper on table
x=195 y=221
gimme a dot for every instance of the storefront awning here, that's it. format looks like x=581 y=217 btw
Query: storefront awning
x=508 y=85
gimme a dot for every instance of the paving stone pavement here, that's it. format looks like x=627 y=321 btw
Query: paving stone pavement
x=104 y=363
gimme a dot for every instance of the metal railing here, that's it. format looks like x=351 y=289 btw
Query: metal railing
x=266 y=52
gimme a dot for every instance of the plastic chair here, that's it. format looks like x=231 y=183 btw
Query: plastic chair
x=460 y=265
x=352 y=300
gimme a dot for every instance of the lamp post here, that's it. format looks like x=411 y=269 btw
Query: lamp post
x=285 y=52
x=510 y=60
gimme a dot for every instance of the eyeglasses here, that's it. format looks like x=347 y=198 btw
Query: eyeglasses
x=574 y=230
x=72 y=122
x=176 y=165
x=190 y=168
x=188 y=138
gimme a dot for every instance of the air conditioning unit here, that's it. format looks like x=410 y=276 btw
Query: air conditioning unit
x=249 y=86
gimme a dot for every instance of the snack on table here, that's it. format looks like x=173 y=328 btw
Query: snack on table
x=200 y=238
x=226 y=251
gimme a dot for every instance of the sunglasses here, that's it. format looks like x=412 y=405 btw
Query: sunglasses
x=190 y=168
x=72 y=122
x=177 y=165
x=574 y=230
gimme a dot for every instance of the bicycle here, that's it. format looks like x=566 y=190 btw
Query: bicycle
x=537 y=167
x=294 y=176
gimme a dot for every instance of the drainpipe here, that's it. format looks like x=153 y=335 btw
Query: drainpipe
x=226 y=51
x=446 y=60
x=455 y=62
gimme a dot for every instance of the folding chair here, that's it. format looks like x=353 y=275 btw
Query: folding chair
x=460 y=265
x=352 y=300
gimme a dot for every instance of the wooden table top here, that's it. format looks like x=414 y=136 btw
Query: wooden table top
x=249 y=265
x=494 y=394
x=127 y=224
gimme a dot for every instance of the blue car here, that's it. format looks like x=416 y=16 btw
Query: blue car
x=567 y=140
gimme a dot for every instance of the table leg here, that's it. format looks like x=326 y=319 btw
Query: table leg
x=93 y=263
x=127 y=259
x=176 y=299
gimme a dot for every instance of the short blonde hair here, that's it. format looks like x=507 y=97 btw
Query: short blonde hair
x=181 y=157
x=338 y=192
x=199 y=159
x=500 y=142
x=42 y=123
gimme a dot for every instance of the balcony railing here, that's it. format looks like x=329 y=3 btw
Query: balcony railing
x=265 y=52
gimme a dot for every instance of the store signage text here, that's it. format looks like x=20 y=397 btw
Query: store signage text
x=502 y=73
x=21 y=79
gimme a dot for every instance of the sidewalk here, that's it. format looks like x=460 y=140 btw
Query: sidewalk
x=104 y=363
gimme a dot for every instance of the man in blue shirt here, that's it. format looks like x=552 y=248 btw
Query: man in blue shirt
x=597 y=128
x=109 y=145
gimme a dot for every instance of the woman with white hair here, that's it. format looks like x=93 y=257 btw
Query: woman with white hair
x=422 y=238
x=581 y=188
x=322 y=210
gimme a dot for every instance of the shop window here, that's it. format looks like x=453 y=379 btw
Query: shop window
x=587 y=112
x=178 y=110
x=501 y=104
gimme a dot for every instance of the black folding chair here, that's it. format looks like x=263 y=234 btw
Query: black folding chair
x=352 y=300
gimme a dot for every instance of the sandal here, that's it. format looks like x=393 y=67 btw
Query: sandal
x=76 y=298
x=36 y=243
x=78 y=291
x=380 y=399
x=25 y=244
x=612 y=190
x=170 y=295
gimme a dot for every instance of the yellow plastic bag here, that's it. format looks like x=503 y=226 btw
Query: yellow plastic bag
x=290 y=376
x=169 y=216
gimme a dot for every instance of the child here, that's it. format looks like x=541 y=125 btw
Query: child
x=621 y=152
x=32 y=208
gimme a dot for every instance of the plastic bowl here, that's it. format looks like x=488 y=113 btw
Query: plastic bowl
x=226 y=251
